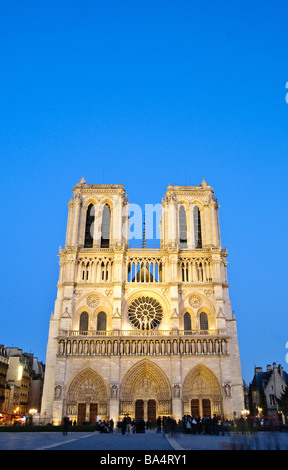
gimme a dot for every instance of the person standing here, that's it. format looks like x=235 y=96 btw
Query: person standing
x=111 y=425
x=128 y=421
x=124 y=425
x=65 y=422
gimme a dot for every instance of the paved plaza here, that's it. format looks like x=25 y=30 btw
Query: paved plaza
x=148 y=441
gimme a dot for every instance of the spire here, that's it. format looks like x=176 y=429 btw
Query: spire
x=144 y=234
x=203 y=182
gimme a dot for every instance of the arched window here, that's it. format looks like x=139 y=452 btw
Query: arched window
x=105 y=231
x=187 y=322
x=101 y=321
x=88 y=243
x=197 y=227
x=182 y=227
x=83 y=323
x=203 y=321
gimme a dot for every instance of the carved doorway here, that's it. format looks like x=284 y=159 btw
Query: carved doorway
x=152 y=412
x=139 y=409
x=201 y=389
x=206 y=406
x=93 y=412
x=81 y=413
x=89 y=392
x=145 y=391
x=195 y=410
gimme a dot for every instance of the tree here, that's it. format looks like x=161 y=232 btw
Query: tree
x=283 y=402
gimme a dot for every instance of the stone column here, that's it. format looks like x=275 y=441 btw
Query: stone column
x=76 y=219
x=172 y=222
x=69 y=223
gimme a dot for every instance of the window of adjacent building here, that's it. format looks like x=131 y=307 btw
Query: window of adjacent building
x=101 y=321
x=183 y=227
x=203 y=321
x=88 y=243
x=272 y=400
x=197 y=227
x=105 y=231
x=83 y=323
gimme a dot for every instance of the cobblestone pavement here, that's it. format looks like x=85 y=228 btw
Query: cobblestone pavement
x=150 y=440
x=258 y=441
x=83 y=441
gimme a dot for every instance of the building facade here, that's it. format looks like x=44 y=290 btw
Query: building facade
x=265 y=390
x=23 y=385
x=4 y=364
x=149 y=332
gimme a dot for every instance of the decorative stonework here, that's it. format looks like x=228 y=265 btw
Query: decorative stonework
x=93 y=300
x=145 y=313
x=148 y=349
x=195 y=301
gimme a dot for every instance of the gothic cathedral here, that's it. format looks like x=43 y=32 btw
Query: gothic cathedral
x=149 y=332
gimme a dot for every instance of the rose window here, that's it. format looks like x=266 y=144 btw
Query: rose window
x=145 y=313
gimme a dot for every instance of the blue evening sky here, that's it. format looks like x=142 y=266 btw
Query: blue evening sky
x=145 y=94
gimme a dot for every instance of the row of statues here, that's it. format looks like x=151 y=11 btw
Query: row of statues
x=142 y=347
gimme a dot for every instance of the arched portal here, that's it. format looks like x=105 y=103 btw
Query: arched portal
x=87 y=397
x=202 y=392
x=146 y=392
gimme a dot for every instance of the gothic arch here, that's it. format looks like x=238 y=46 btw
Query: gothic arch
x=87 y=386
x=98 y=301
x=206 y=304
x=198 y=203
x=145 y=369
x=88 y=201
x=201 y=382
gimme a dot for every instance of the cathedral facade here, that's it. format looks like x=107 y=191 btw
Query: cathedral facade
x=148 y=332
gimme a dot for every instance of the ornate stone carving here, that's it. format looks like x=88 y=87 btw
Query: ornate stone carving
x=93 y=300
x=58 y=392
x=114 y=392
x=195 y=301
x=176 y=391
x=145 y=313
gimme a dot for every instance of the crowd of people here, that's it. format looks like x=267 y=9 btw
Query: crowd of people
x=189 y=424
x=215 y=425
x=130 y=425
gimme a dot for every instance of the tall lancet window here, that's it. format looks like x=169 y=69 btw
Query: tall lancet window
x=105 y=231
x=197 y=227
x=88 y=243
x=83 y=323
x=203 y=321
x=187 y=323
x=182 y=227
x=101 y=321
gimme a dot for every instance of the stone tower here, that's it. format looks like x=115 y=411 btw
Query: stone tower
x=149 y=332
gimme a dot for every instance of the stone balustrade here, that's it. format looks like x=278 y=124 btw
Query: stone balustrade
x=141 y=346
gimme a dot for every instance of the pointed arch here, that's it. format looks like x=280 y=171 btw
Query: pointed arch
x=203 y=317
x=105 y=227
x=201 y=382
x=87 y=386
x=145 y=369
x=90 y=217
x=197 y=227
x=187 y=322
x=83 y=322
x=182 y=227
x=101 y=321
